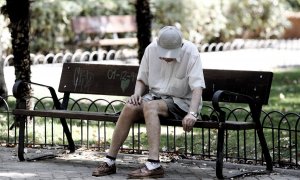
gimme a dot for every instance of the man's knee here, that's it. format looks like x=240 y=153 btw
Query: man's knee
x=131 y=108
x=150 y=107
x=130 y=113
x=156 y=108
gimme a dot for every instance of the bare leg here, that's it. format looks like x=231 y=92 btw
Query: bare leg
x=129 y=114
x=152 y=110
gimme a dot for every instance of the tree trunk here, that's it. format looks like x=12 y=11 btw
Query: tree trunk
x=18 y=13
x=143 y=19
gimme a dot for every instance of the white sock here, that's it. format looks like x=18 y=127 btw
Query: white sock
x=152 y=165
x=109 y=162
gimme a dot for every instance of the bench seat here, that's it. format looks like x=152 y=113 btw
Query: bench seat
x=110 y=117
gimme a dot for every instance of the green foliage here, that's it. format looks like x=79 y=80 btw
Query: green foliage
x=254 y=19
x=51 y=29
x=104 y=7
x=294 y=4
x=50 y=24
x=200 y=21
x=215 y=20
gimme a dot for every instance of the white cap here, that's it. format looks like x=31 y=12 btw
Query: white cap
x=169 y=42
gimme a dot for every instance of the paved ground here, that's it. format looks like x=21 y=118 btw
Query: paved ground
x=78 y=166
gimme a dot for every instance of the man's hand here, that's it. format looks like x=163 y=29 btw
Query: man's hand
x=188 y=122
x=134 y=99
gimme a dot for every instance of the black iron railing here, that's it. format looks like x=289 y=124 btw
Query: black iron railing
x=282 y=132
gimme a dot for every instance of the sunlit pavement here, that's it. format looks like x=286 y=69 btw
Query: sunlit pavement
x=80 y=165
x=251 y=59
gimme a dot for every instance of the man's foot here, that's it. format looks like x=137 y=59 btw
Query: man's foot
x=145 y=173
x=104 y=169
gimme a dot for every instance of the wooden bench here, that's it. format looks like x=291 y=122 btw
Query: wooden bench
x=230 y=86
x=105 y=30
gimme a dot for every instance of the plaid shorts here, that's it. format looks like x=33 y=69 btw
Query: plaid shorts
x=174 y=110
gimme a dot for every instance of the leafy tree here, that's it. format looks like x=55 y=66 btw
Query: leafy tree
x=51 y=24
x=222 y=20
x=294 y=4
x=200 y=21
x=254 y=19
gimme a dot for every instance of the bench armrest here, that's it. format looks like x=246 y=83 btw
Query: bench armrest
x=230 y=97
x=19 y=84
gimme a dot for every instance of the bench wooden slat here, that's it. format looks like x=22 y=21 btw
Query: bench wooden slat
x=256 y=84
x=68 y=114
x=120 y=80
x=100 y=116
x=117 y=80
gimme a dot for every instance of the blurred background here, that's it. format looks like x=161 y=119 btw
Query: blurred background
x=205 y=21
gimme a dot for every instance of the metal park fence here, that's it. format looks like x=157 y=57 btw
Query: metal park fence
x=125 y=54
x=282 y=131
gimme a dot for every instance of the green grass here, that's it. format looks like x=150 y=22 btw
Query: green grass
x=285 y=96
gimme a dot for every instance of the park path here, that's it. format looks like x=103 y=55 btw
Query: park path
x=79 y=166
x=245 y=59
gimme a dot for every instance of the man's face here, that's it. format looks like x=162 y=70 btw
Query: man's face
x=167 y=59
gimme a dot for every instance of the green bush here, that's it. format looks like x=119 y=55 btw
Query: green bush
x=254 y=19
x=215 y=20
x=50 y=24
x=198 y=20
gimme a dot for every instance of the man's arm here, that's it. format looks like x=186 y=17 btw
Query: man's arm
x=136 y=98
x=189 y=120
x=196 y=100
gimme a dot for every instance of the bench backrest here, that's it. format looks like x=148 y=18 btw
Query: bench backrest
x=104 y=24
x=119 y=80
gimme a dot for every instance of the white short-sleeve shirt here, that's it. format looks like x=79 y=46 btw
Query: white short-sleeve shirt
x=176 y=78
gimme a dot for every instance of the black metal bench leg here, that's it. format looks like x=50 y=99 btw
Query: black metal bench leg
x=265 y=149
x=21 y=122
x=68 y=135
x=220 y=154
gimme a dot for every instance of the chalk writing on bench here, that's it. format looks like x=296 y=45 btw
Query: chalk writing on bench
x=82 y=79
x=126 y=77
